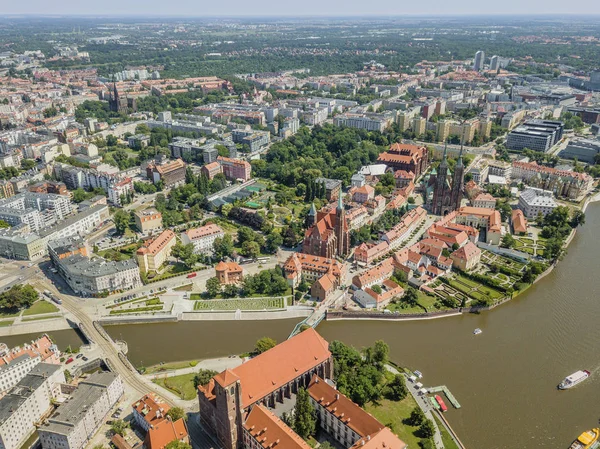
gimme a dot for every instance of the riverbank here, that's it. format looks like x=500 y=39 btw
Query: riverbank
x=42 y=325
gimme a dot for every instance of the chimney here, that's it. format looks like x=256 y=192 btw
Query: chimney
x=337 y=396
x=368 y=437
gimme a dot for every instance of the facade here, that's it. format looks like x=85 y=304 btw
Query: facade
x=91 y=276
x=234 y=169
x=6 y=189
x=202 y=238
x=171 y=173
x=264 y=430
x=519 y=222
x=537 y=135
x=150 y=414
x=447 y=195
x=119 y=190
x=27 y=402
x=268 y=379
x=370 y=121
x=323 y=274
x=585 y=150
x=333 y=188
x=479 y=61
x=563 y=183
x=229 y=273
x=467 y=257
x=148 y=220
x=487 y=220
x=329 y=234
x=211 y=170
x=254 y=139
x=407 y=157
x=484 y=200
x=534 y=201
x=76 y=421
x=154 y=253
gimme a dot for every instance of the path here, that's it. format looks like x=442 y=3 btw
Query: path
x=219 y=365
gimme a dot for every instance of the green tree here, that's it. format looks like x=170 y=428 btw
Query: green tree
x=18 y=296
x=417 y=417
x=204 y=376
x=426 y=429
x=213 y=287
x=119 y=427
x=251 y=249
x=304 y=415
x=508 y=241
x=4 y=224
x=264 y=344
x=381 y=352
x=411 y=297
x=185 y=253
x=396 y=389
x=223 y=247
x=28 y=164
x=121 y=221
x=176 y=444
x=176 y=413
x=578 y=218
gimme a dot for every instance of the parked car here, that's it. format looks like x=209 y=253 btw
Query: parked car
x=85 y=359
x=69 y=360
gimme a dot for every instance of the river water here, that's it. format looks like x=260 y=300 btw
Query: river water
x=505 y=378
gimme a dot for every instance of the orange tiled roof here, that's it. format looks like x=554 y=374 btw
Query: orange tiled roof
x=151 y=408
x=203 y=231
x=270 y=431
x=519 y=221
x=40 y=347
x=384 y=439
x=156 y=245
x=165 y=432
x=467 y=252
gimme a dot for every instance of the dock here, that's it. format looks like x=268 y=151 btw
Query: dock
x=444 y=389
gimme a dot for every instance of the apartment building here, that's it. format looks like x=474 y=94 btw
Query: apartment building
x=202 y=238
x=235 y=169
x=537 y=135
x=534 y=201
x=154 y=253
x=27 y=402
x=148 y=220
x=563 y=183
x=171 y=173
x=370 y=122
x=75 y=421
x=254 y=139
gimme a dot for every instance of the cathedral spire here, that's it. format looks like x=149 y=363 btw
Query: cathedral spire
x=340 y=205
x=459 y=162
x=444 y=162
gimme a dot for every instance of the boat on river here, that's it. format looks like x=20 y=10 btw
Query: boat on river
x=574 y=379
x=587 y=440
x=477 y=331
x=441 y=403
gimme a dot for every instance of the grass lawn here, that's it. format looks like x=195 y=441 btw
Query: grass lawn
x=391 y=414
x=242 y=304
x=39 y=307
x=170 y=366
x=184 y=288
x=182 y=386
x=9 y=314
x=6 y=323
x=446 y=438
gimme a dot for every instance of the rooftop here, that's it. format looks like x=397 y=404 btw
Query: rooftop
x=270 y=431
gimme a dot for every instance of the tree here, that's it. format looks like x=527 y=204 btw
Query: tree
x=508 y=241
x=578 y=218
x=213 y=287
x=427 y=430
x=111 y=141
x=176 y=413
x=203 y=377
x=251 y=249
x=264 y=344
x=176 y=444
x=4 y=224
x=223 y=247
x=121 y=221
x=28 y=164
x=185 y=253
x=411 y=296
x=381 y=352
x=304 y=415
x=18 y=296
x=417 y=417
x=396 y=389
x=80 y=195
x=505 y=210
x=119 y=427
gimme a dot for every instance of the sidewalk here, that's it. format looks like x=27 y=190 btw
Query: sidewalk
x=220 y=364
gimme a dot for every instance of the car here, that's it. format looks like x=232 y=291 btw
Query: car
x=21 y=278
x=79 y=356
x=84 y=358
x=69 y=360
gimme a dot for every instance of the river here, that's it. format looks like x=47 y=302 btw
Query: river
x=505 y=378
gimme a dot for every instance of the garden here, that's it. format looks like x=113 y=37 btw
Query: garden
x=239 y=304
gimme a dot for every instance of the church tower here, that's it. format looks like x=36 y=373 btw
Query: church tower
x=440 y=190
x=311 y=217
x=341 y=229
x=458 y=181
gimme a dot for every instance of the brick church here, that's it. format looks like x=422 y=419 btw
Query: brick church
x=448 y=190
x=328 y=234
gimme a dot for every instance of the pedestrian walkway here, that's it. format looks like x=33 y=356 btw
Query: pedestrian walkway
x=219 y=365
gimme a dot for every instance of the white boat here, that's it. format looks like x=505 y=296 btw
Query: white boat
x=574 y=379
x=418 y=374
x=477 y=331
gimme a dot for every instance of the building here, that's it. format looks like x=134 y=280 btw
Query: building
x=27 y=402
x=534 y=201
x=154 y=253
x=479 y=61
x=264 y=430
x=254 y=139
x=76 y=421
x=536 y=135
x=562 y=183
x=15 y=363
x=58 y=207
x=324 y=275
x=229 y=273
x=479 y=171
x=138 y=141
x=447 y=192
x=329 y=234
x=171 y=173
x=202 y=238
x=519 y=222
x=6 y=189
x=368 y=121
x=148 y=220
x=333 y=188
x=118 y=191
x=584 y=150
x=150 y=414
x=467 y=257
x=370 y=299
x=91 y=276
x=485 y=220
x=267 y=379
x=235 y=169
x=57 y=187
x=484 y=199
x=346 y=422
x=407 y=157
x=118 y=103
x=211 y=170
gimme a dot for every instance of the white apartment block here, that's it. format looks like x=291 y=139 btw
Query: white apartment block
x=202 y=238
x=76 y=420
x=27 y=402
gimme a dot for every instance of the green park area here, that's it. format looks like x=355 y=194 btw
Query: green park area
x=241 y=304
x=182 y=386
x=122 y=253
x=40 y=307
x=394 y=414
x=474 y=289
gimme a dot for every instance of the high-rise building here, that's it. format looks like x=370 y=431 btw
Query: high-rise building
x=494 y=63
x=479 y=60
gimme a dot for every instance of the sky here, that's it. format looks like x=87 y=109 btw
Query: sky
x=198 y=8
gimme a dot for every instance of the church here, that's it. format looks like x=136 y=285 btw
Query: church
x=117 y=103
x=328 y=234
x=448 y=189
